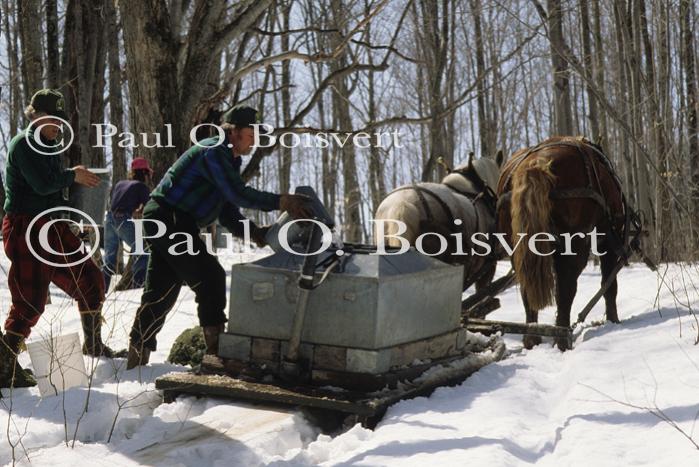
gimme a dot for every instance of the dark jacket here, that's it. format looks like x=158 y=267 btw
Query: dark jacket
x=33 y=181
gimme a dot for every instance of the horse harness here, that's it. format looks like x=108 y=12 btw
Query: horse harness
x=485 y=195
x=592 y=191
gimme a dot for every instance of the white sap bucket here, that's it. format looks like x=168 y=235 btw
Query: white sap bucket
x=58 y=364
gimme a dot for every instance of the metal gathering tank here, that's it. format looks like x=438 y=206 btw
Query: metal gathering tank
x=374 y=301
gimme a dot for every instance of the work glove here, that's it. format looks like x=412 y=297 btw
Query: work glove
x=258 y=235
x=298 y=206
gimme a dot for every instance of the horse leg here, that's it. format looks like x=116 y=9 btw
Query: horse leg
x=487 y=277
x=608 y=262
x=568 y=269
x=529 y=340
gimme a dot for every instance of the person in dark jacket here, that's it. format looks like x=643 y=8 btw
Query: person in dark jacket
x=203 y=185
x=34 y=180
x=127 y=200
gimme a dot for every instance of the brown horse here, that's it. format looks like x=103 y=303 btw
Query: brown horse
x=565 y=187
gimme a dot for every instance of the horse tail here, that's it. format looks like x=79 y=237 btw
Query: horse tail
x=398 y=209
x=531 y=213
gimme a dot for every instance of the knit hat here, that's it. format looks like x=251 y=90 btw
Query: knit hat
x=242 y=116
x=49 y=101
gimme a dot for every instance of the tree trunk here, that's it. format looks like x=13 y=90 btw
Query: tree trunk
x=95 y=77
x=665 y=219
x=15 y=95
x=116 y=103
x=377 y=186
x=589 y=67
x=657 y=144
x=85 y=65
x=83 y=72
x=165 y=71
x=563 y=120
x=343 y=117
x=623 y=141
x=32 y=63
x=599 y=67
x=53 y=59
x=435 y=43
x=151 y=70
x=687 y=59
x=285 y=167
x=641 y=177
x=485 y=127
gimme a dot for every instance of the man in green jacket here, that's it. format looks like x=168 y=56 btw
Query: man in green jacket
x=202 y=186
x=34 y=180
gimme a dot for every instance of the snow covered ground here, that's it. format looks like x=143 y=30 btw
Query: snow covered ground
x=627 y=394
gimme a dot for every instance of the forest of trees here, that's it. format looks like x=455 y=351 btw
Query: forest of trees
x=450 y=76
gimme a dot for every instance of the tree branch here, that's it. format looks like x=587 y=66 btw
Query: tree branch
x=245 y=20
x=254 y=164
x=390 y=48
x=292 y=31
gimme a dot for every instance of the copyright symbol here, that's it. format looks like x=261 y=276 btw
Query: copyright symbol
x=44 y=237
x=37 y=139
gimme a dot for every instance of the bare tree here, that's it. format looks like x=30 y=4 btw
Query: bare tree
x=53 y=58
x=116 y=106
x=14 y=95
x=285 y=152
x=593 y=115
x=377 y=185
x=342 y=117
x=433 y=37
x=30 y=34
x=599 y=67
x=563 y=120
x=487 y=128
x=165 y=64
x=687 y=57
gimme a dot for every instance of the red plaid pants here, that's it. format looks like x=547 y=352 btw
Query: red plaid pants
x=29 y=277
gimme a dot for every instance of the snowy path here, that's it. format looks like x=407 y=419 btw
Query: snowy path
x=549 y=408
x=536 y=407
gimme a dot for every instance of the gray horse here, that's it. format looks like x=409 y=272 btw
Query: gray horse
x=462 y=204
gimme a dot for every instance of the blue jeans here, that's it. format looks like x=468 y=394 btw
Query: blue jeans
x=119 y=228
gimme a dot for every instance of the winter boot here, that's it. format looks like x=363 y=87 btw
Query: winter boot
x=138 y=356
x=92 y=328
x=211 y=334
x=11 y=373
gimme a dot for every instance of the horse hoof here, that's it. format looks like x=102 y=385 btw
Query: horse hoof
x=531 y=341
x=564 y=344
